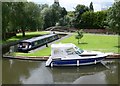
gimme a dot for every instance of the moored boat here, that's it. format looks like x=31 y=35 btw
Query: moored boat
x=32 y=43
x=70 y=55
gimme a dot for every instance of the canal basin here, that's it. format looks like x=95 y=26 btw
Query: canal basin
x=34 y=72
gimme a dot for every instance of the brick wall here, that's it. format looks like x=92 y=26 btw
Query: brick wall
x=104 y=31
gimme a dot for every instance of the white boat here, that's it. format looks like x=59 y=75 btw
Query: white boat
x=70 y=55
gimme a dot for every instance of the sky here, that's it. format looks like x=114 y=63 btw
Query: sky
x=71 y=4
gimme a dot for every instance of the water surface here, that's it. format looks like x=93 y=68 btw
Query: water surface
x=35 y=72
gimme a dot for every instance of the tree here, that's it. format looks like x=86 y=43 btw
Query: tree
x=42 y=6
x=47 y=17
x=91 y=6
x=79 y=10
x=56 y=13
x=20 y=16
x=33 y=16
x=93 y=20
x=15 y=17
x=87 y=20
x=79 y=35
x=113 y=18
x=63 y=19
x=53 y=15
x=63 y=12
x=5 y=18
x=71 y=17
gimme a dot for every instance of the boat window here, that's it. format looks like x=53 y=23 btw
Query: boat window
x=25 y=45
x=78 y=50
x=56 y=51
x=39 y=41
x=70 y=51
x=36 y=42
x=45 y=40
x=42 y=41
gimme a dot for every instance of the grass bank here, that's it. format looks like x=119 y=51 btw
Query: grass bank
x=103 y=43
x=20 y=37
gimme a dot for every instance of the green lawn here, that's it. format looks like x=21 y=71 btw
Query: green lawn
x=20 y=37
x=97 y=42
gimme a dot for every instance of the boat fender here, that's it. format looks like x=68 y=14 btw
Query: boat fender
x=51 y=64
x=95 y=61
x=77 y=62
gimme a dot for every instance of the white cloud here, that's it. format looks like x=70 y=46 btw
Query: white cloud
x=71 y=4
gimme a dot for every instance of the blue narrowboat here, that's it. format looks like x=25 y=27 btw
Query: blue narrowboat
x=35 y=42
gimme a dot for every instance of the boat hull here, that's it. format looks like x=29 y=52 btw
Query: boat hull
x=76 y=62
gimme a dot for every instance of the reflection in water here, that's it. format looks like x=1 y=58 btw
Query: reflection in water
x=39 y=75
x=112 y=74
x=0 y=71
x=79 y=75
x=12 y=70
x=35 y=72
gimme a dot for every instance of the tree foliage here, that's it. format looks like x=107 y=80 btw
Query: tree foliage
x=47 y=17
x=91 y=6
x=33 y=17
x=79 y=10
x=28 y=16
x=5 y=19
x=53 y=15
x=20 y=16
x=93 y=20
x=79 y=35
x=113 y=18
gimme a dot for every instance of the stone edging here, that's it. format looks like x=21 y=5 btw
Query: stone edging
x=44 y=58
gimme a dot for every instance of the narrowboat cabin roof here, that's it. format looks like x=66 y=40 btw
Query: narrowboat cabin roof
x=38 y=38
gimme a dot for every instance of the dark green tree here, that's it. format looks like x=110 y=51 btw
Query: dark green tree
x=113 y=18
x=93 y=20
x=42 y=6
x=63 y=12
x=79 y=10
x=53 y=15
x=63 y=19
x=56 y=13
x=5 y=18
x=47 y=17
x=33 y=16
x=20 y=16
x=91 y=6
